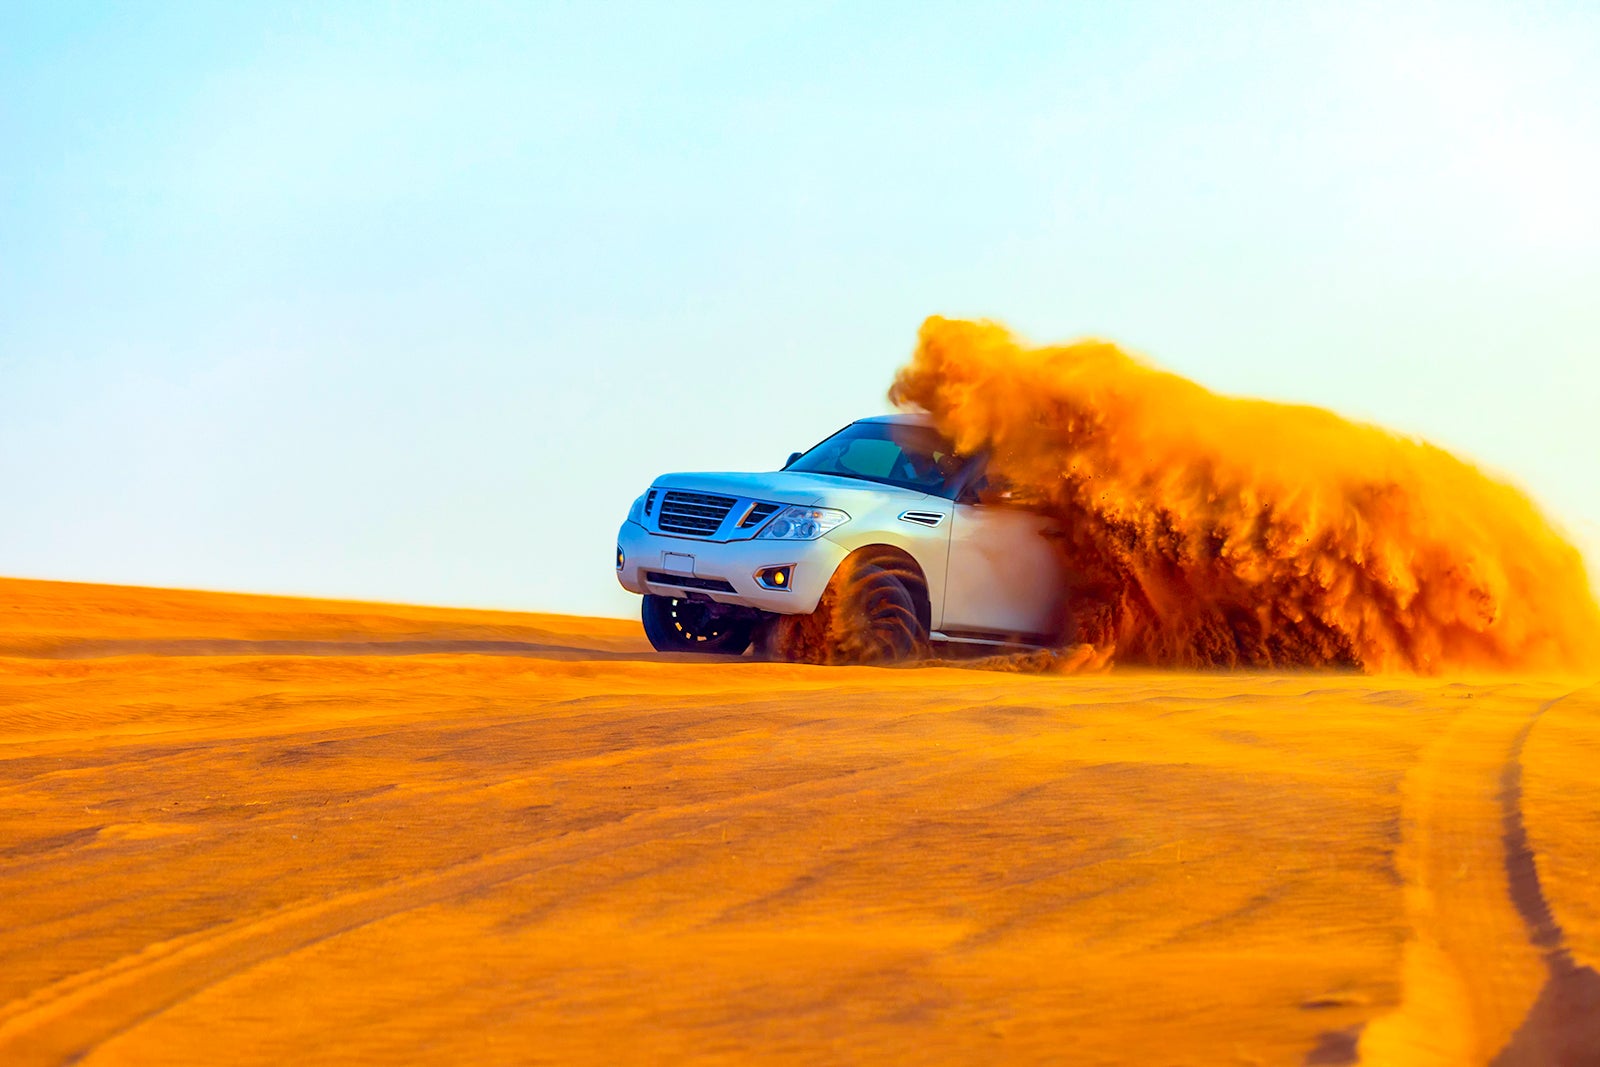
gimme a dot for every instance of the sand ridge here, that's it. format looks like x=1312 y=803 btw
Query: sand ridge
x=579 y=851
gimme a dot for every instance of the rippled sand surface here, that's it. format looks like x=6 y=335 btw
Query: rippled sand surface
x=260 y=830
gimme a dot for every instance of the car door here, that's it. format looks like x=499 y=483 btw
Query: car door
x=1005 y=578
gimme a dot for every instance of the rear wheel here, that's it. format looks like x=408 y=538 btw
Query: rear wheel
x=868 y=615
x=674 y=625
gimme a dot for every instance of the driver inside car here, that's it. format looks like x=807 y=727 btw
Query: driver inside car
x=926 y=469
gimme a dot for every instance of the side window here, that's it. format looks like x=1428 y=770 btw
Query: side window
x=998 y=488
x=989 y=487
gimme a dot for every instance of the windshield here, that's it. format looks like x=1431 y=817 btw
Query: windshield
x=908 y=456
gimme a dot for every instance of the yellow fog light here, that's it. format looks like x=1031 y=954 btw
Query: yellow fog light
x=776 y=577
x=621 y=559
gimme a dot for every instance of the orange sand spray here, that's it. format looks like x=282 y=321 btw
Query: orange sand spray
x=1204 y=530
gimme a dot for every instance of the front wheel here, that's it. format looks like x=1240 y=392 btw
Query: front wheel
x=867 y=615
x=674 y=625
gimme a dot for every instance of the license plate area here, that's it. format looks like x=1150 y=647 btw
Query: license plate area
x=677 y=563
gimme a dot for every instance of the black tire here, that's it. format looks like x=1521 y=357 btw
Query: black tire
x=674 y=625
x=888 y=630
x=867 y=616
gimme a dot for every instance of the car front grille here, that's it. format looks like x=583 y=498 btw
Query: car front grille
x=758 y=514
x=696 y=514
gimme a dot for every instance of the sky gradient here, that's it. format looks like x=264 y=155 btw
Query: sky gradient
x=409 y=303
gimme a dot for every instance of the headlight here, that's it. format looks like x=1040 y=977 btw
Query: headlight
x=802 y=524
x=636 y=513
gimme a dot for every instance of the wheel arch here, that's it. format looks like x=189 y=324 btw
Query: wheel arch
x=902 y=565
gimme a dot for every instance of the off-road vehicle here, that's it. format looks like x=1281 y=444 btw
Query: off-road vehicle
x=865 y=548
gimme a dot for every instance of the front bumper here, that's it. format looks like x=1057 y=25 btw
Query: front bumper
x=732 y=562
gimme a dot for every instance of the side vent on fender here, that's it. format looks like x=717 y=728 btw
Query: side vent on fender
x=923 y=518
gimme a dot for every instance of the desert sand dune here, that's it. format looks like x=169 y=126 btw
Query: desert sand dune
x=266 y=830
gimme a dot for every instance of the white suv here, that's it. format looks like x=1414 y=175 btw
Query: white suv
x=864 y=548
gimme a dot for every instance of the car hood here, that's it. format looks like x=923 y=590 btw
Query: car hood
x=790 y=487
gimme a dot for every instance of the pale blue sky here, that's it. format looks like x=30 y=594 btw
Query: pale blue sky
x=408 y=302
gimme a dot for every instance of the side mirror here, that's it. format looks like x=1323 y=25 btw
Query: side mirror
x=790 y=461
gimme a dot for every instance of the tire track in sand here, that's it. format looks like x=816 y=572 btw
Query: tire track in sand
x=1563 y=1027
x=1485 y=979
x=66 y=1021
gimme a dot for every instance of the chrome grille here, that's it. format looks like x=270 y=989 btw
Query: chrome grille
x=696 y=514
x=758 y=514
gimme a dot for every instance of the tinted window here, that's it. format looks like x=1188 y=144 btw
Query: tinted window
x=912 y=457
